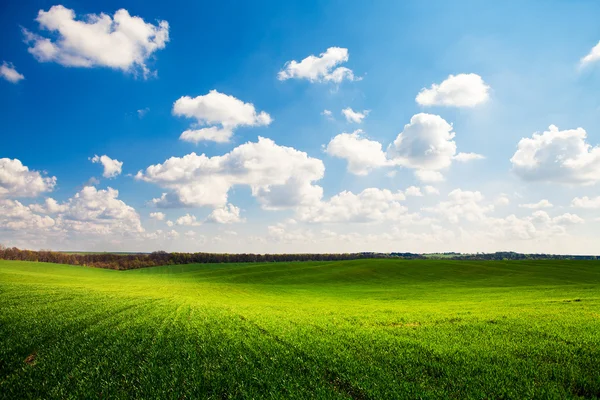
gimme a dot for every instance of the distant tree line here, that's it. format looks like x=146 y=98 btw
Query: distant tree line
x=123 y=261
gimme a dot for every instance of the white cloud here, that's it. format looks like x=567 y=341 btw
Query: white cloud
x=16 y=180
x=362 y=155
x=466 y=157
x=122 y=42
x=159 y=216
x=188 y=220
x=429 y=176
x=8 y=72
x=502 y=200
x=414 y=191
x=536 y=206
x=228 y=214
x=170 y=223
x=112 y=168
x=88 y=213
x=225 y=113
x=558 y=157
x=50 y=206
x=354 y=116
x=15 y=216
x=142 y=112
x=95 y=211
x=279 y=176
x=327 y=114
x=431 y=190
x=592 y=56
x=370 y=205
x=462 y=204
x=319 y=69
x=462 y=90
x=586 y=202
x=425 y=144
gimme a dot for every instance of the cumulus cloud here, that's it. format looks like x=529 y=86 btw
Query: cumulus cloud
x=557 y=156
x=95 y=211
x=112 y=168
x=462 y=204
x=431 y=190
x=466 y=157
x=462 y=90
x=362 y=154
x=16 y=180
x=414 y=191
x=429 y=176
x=228 y=214
x=370 y=205
x=327 y=114
x=586 y=202
x=50 y=206
x=592 y=57
x=279 y=176
x=319 y=69
x=426 y=145
x=354 y=116
x=159 y=216
x=537 y=226
x=88 y=213
x=502 y=200
x=121 y=42
x=225 y=113
x=188 y=220
x=8 y=72
x=536 y=206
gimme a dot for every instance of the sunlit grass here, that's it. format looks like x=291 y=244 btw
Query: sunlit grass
x=366 y=329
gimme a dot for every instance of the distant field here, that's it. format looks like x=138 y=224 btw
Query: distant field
x=363 y=329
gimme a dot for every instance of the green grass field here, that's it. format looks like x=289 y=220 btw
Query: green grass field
x=365 y=329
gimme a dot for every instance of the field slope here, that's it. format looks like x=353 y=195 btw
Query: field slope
x=363 y=329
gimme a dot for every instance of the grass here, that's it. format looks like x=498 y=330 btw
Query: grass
x=363 y=329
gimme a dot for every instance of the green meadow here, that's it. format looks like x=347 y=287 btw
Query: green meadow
x=363 y=329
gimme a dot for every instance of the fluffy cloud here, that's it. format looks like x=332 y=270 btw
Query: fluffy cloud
x=592 y=56
x=462 y=90
x=362 y=154
x=431 y=190
x=15 y=216
x=429 y=176
x=536 y=206
x=537 y=226
x=327 y=114
x=413 y=191
x=159 y=216
x=462 y=204
x=279 y=176
x=370 y=205
x=188 y=220
x=95 y=211
x=557 y=156
x=319 y=69
x=466 y=157
x=425 y=144
x=50 y=206
x=586 y=202
x=16 y=180
x=225 y=215
x=224 y=112
x=8 y=72
x=122 y=42
x=354 y=116
x=89 y=213
x=112 y=167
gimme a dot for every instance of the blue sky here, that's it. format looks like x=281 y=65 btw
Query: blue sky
x=523 y=73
